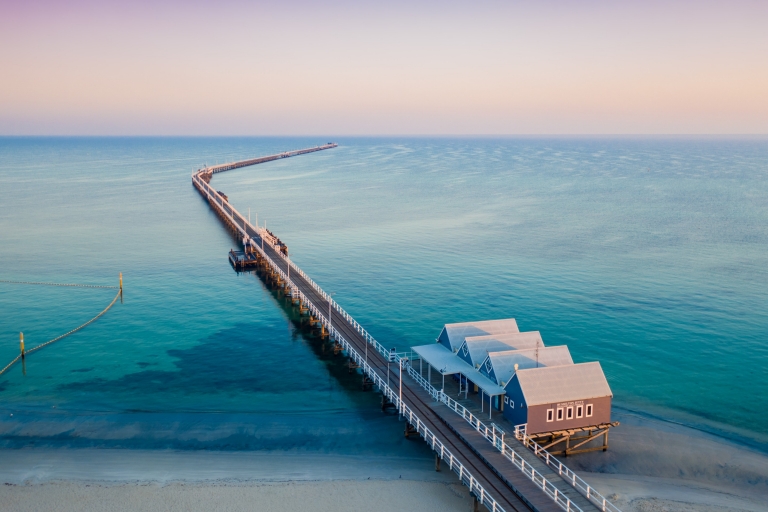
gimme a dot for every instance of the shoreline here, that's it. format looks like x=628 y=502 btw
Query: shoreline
x=652 y=465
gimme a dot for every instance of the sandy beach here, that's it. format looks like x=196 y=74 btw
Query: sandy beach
x=132 y=480
x=373 y=495
x=652 y=466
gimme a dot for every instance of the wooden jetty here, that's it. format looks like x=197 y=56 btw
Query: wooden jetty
x=501 y=472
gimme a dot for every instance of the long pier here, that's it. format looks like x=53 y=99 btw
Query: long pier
x=504 y=471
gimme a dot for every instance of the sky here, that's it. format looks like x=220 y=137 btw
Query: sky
x=230 y=67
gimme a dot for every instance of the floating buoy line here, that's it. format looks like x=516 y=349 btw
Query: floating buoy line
x=23 y=352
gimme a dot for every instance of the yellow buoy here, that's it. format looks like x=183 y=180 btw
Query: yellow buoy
x=21 y=343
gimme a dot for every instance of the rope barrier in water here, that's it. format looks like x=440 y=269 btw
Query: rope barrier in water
x=10 y=364
x=58 y=284
x=38 y=347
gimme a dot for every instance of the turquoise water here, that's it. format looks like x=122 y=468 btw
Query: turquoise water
x=648 y=255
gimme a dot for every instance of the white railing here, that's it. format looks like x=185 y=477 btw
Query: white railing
x=455 y=465
x=568 y=474
x=489 y=433
x=499 y=441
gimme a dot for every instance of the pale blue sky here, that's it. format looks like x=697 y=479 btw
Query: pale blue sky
x=359 y=68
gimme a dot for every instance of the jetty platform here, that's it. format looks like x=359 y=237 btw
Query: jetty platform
x=504 y=470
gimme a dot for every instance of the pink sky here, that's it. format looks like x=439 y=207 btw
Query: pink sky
x=370 y=68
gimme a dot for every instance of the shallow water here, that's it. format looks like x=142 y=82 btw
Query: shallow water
x=648 y=255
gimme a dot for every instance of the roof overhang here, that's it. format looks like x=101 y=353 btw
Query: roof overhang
x=448 y=363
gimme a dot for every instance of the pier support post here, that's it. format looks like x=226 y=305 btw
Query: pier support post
x=437 y=462
x=475 y=504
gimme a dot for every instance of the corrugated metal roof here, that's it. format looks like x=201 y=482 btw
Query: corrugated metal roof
x=503 y=363
x=452 y=335
x=441 y=359
x=478 y=347
x=477 y=351
x=448 y=363
x=516 y=339
x=563 y=383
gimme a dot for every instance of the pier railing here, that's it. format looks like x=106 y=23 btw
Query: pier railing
x=490 y=433
x=564 y=471
x=497 y=437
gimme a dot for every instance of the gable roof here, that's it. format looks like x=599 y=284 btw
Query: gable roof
x=452 y=335
x=500 y=366
x=562 y=383
x=475 y=352
x=475 y=349
x=517 y=340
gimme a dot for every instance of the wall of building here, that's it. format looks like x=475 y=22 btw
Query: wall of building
x=443 y=339
x=537 y=415
x=463 y=353
x=514 y=404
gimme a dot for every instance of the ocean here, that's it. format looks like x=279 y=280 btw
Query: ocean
x=649 y=255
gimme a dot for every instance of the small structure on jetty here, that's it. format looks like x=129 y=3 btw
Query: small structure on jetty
x=509 y=371
x=561 y=405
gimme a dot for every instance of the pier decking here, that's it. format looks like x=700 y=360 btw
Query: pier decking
x=501 y=472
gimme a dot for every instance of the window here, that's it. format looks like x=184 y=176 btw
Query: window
x=559 y=413
x=579 y=411
x=569 y=413
x=506 y=399
x=589 y=410
x=550 y=414
x=512 y=404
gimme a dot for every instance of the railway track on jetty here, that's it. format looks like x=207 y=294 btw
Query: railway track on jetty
x=484 y=461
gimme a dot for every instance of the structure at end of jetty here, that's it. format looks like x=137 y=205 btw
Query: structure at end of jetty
x=539 y=390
